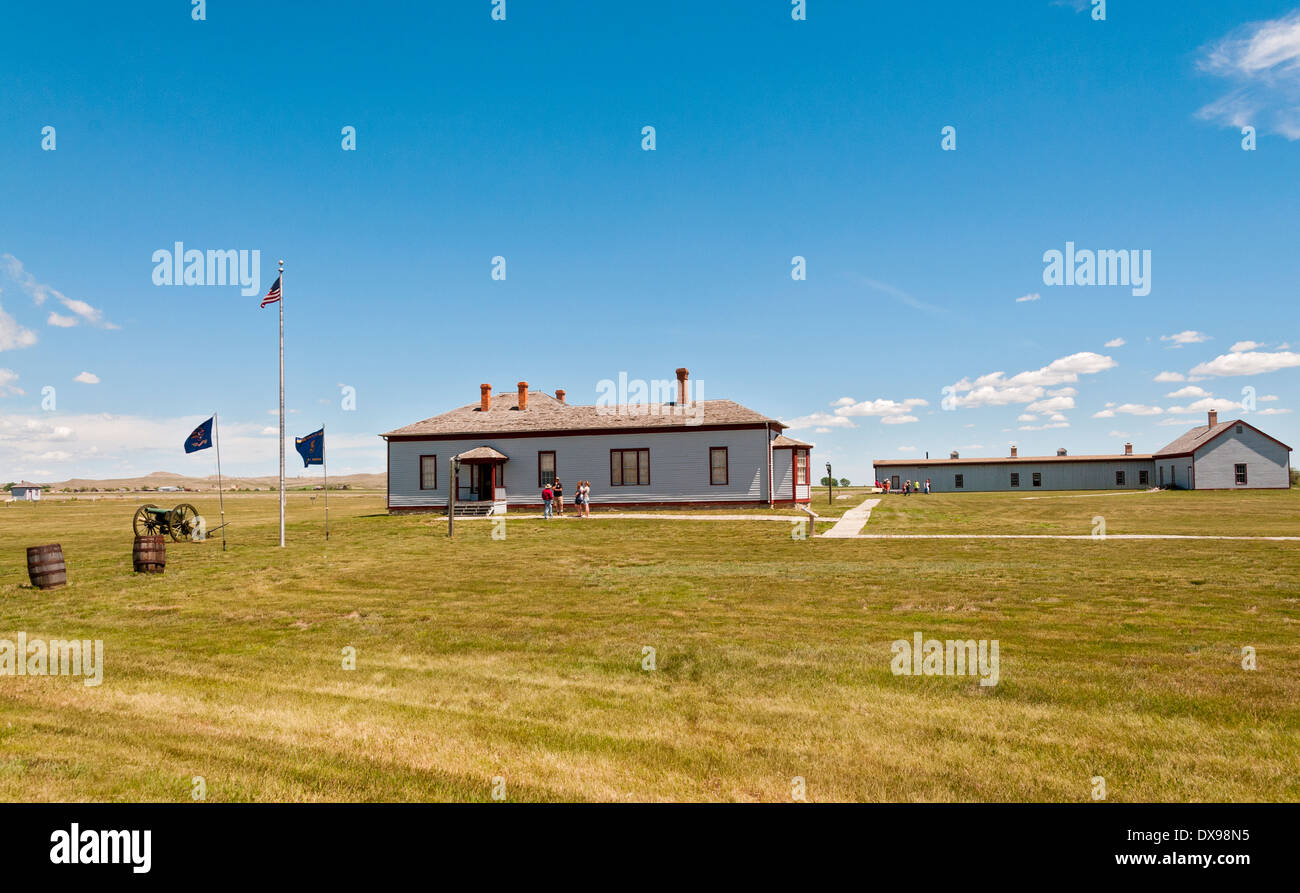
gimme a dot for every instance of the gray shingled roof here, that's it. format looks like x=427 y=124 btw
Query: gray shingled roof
x=1114 y=457
x=1187 y=443
x=782 y=441
x=545 y=413
x=1194 y=438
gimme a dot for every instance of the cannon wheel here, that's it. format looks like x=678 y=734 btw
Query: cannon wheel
x=183 y=521
x=145 y=522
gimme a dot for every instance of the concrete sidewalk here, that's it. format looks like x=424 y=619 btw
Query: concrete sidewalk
x=851 y=522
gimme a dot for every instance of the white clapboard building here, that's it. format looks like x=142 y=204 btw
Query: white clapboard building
x=25 y=491
x=510 y=446
x=1231 y=455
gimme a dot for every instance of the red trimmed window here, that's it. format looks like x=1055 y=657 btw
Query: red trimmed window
x=428 y=472
x=629 y=468
x=717 y=466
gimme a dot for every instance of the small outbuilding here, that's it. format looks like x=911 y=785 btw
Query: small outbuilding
x=26 y=490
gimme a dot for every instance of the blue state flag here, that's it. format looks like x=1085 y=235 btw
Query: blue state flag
x=311 y=448
x=200 y=438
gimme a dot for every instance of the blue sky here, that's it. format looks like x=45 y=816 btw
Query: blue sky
x=522 y=138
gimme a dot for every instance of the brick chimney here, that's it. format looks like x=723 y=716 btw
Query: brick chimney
x=559 y=395
x=1061 y=451
x=1214 y=417
x=1128 y=449
x=682 y=375
x=523 y=395
x=485 y=397
x=1013 y=452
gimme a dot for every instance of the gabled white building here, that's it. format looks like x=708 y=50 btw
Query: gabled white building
x=509 y=447
x=1231 y=455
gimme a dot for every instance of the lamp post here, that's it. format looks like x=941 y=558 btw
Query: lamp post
x=454 y=472
x=830 y=485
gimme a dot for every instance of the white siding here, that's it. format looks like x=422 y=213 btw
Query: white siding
x=783 y=473
x=679 y=466
x=1267 y=462
x=980 y=477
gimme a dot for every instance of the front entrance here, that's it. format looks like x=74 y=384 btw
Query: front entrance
x=479 y=481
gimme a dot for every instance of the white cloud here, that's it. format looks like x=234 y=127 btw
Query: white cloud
x=898 y=419
x=818 y=420
x=1186 y=337
x=1247 y=363
x=1030 y=297
x=1268 y=398
x=882 y=407
x=1261 y=60
x=1051 y=404
x=995 y=389
x=1128 y=409
x=95 y=444
x=1116 y=342
x=1273 y=411
x=1205 y=405
x=39 y=292
x=13 y=335
x=844 y=401
x=1026 y=417
x=1166 y=377
x=90 y=378
x=1044 y=427
x=7 y=386
x=905 y=449
x=1190 y=391
x=1242 y=346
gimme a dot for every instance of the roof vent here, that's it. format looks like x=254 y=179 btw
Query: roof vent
x=954 y=455
x=1061 y=451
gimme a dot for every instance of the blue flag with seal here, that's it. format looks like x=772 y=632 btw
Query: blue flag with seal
x=311 y=448
x=200 y=438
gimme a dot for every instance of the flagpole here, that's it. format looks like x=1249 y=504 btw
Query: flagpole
x=281 y=303
x=325 y=466
x=216 y=439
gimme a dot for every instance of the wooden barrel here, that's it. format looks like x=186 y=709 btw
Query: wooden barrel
x=45 y=566
x=150 y=554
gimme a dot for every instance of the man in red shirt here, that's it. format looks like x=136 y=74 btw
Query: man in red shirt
x=547 y=495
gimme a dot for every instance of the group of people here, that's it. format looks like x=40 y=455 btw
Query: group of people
x=908 y=487
x=553 y=499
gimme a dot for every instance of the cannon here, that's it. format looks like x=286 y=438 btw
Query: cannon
x=179 y=522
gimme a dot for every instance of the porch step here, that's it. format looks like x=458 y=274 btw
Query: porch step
x=473 y=509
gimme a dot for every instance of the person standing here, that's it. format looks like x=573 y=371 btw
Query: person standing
x=586 y=499
x=927 y=486
x=547 y=496
x=557 y=489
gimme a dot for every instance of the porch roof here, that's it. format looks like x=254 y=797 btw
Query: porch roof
x=482 y=454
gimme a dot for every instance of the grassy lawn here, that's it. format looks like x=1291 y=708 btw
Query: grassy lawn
x=522 y=657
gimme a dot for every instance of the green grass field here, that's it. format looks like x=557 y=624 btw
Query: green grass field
x=522 y=657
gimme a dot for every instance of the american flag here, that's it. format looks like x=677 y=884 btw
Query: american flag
x=274 y=294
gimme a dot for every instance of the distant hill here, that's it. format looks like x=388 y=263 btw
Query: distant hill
x=156 y=479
